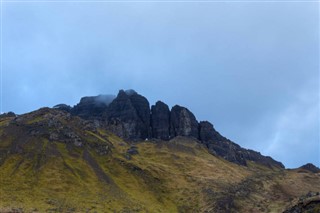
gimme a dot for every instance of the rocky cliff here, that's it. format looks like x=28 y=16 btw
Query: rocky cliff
x=89 y=107
x=221 y=146
x=160 y=121
x=183 y=122
x=129 y=116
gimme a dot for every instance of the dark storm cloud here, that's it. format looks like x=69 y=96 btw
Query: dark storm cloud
x=252 y=69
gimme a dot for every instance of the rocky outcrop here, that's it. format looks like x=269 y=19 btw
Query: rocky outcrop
x=142 y=107
x=228 y=150
x=208 y=133
x=221 y=146
x=8 y=114
x=183 y=122
x=308 y=203
x=310 y=167
x=160 y=121
x=234 y=153
x=128 y=116
x=92 y=107
x=63 y=107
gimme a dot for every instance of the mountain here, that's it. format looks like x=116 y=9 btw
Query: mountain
x=118 y=154
x=128 y=115
x=310 y=167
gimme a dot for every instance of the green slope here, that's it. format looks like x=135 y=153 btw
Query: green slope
x=51 y=162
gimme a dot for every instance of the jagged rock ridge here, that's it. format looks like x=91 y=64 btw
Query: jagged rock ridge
x=89 y=107
x=129 y=116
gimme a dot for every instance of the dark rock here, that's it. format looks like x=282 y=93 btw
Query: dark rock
x=8 y=114
x=132 y=150
x=221 y=146
x=208 y=133
x=142 y=107
x=160 y=121
x=228 y=150
x=63 y=107
x=236 y=154
x=310 y=167
x=128 y=116
x=308 y=203
x=257 y=157
x=183 y=122
x=93 y=106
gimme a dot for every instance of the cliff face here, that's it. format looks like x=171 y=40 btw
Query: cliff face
x=90 y=107
x=183 y=122
x=160 y=120
x=128 y=115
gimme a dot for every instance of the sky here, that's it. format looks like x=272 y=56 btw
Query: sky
x=250 y=68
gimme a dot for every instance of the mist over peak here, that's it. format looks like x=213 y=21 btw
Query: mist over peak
x=130 y=92
x=105 y=99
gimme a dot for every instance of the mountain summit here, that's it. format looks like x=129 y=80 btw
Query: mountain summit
x=129 y=116
x=117 y=154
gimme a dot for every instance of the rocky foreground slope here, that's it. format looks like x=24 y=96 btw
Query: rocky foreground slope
x=94 y=157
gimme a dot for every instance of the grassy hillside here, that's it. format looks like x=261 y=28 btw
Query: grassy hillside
x=51 y=162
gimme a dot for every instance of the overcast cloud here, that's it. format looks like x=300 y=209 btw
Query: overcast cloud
x=252 y=69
